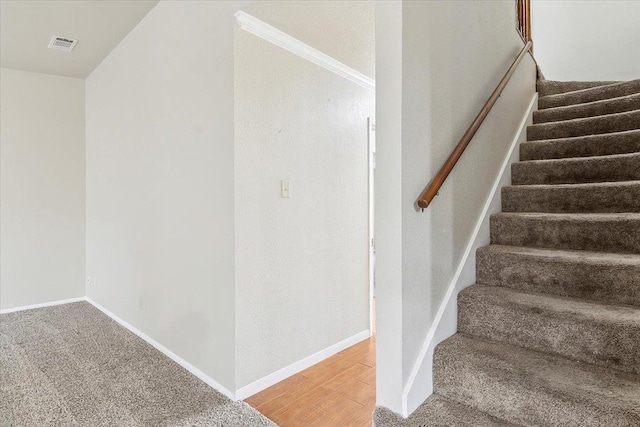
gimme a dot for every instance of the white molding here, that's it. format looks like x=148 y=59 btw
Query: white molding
x=286 y=372
x=412 y=398
x=45 y=304
x=273 y=35
x=171 y=355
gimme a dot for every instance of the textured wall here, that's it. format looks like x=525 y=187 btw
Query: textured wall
x=448 y=75
x=453 y=56
x=343 y=29
x=587 y=40
x=42 y=188
x=160 y=210
x=302 y=262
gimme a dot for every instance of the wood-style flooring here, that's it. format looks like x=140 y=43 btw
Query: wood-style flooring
x=339 y=391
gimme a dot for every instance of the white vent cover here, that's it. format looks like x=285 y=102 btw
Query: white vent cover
x=62 y=43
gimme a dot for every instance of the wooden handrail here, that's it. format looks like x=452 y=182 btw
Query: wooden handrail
x=434 y=186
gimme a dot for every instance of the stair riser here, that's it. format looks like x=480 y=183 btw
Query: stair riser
x=562 y=199
x=577 y=171
x=599 y=145
x=616 y=105
x=594 y=280
x=528 y=324
x=621 y=236
x=581 y=127
x=591 y=95
x=518 y=398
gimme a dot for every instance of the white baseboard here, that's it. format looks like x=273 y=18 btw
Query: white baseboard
x=171 y=355
x=286 y=372
x=419 y=385
x=45 y=304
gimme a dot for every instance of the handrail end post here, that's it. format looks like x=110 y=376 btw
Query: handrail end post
x=423 y=204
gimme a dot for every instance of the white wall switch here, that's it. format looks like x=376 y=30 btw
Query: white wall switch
x=284 y=189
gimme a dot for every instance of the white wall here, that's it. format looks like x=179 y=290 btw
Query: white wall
x=178 y=245
x=448 y=72
x=342 y=29
x=587 y=40
x=388 y=205
x=42 y=188
x=302 y=281
x=160 y=205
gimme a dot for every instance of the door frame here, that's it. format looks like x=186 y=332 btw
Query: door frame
x=371 y=162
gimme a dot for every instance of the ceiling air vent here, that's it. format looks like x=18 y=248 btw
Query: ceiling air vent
x=62 y=43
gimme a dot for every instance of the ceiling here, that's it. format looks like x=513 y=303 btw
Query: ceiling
x=26 y=26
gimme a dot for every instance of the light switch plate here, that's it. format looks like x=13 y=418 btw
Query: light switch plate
x=284 y=189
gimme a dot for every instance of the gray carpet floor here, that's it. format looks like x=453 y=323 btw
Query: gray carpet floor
x=71 y=365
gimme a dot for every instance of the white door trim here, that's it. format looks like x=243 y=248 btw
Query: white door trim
x=371 y=143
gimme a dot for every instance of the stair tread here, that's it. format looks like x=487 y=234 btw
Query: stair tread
x=606 y=232
x=623 y=315
x=598 y=108
x=611 y=184
x=566 y=160
x=590 y=94
x=632 y=132
x=608 y=123
x=554 y=87
x=606 y=216
x=576 y=328
x=561 y=377
x=577 y=170
x=593 y=197
x=597 y=276
x=593 y=89
x=582 y=146
x=438 y=411
x=620 y=259
x=583 y=120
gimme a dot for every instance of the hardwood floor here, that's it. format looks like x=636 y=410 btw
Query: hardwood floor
x=339 y=391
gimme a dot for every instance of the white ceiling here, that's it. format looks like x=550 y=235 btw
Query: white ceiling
x=26 y=26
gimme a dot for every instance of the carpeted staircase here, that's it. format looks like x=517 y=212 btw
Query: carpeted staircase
x=550 y=334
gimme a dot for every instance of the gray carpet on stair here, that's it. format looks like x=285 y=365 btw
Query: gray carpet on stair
x=587 y=331
x=599 y=197
x=580 y=170
x=607 y=232
x=70 y=365
x=550 y=333
x=528 y=387
x=589 y=109
x=553 y=87
x=597 y=93
x=617 y=122
x=582 y=146
x=594 y=276
x=438 y=412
